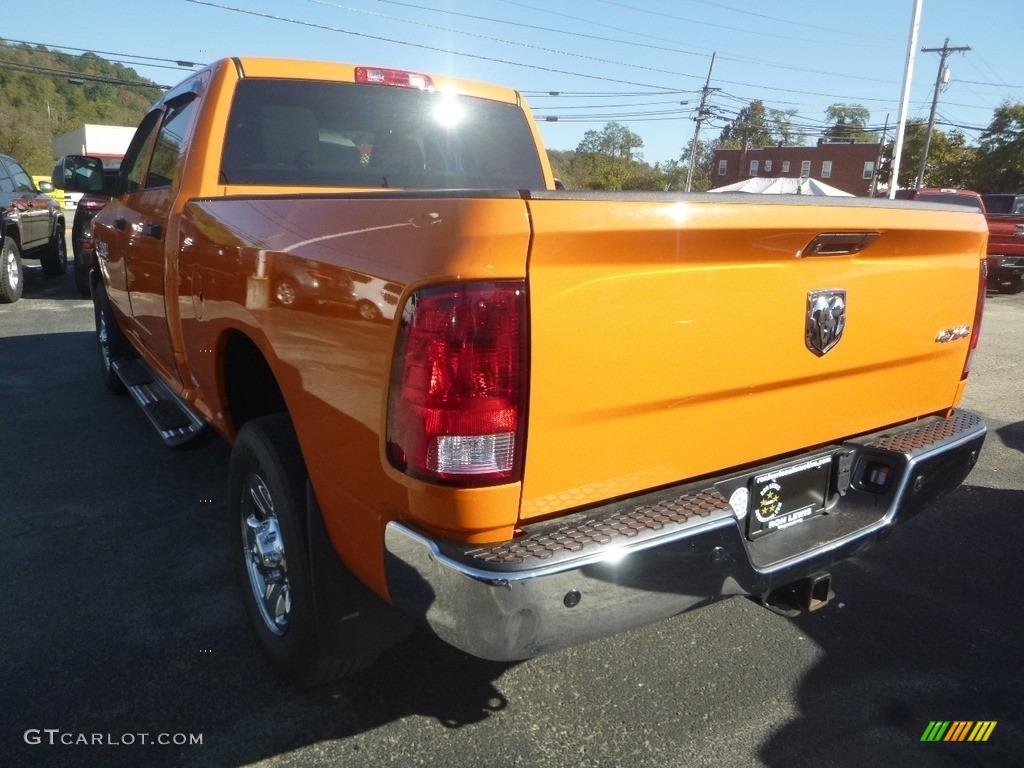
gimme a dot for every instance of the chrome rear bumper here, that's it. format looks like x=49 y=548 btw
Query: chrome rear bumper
x=603 y=570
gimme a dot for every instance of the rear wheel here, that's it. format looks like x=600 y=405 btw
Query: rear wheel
x=267 y=501
x=109 y=339
x=82 y=278
x=369 y=311
x=55 y=259
x=12 y=281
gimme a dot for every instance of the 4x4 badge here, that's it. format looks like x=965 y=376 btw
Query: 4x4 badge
x=826 y=319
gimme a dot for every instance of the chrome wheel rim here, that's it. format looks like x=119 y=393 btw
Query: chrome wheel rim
x=368 y=312
x=286 y=294
x=263 y=550
x=103 y=337
x=13 y=278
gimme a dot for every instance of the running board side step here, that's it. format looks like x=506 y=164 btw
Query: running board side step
x=167 y=412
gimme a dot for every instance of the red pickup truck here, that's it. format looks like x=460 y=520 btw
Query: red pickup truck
x=1005 y=214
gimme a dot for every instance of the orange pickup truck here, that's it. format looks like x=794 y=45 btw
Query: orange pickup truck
x=569 y=413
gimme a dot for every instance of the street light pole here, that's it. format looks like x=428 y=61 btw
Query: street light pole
x=908 y=76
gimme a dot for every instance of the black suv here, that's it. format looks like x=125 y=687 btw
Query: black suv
x=31 y=226
x=90 y=204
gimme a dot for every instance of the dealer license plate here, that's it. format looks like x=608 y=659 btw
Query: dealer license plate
x=787 y=496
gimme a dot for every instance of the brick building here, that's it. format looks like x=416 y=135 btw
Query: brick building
x=846 y=165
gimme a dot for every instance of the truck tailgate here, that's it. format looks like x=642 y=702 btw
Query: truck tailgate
x=668 y=336
x=1006 y=234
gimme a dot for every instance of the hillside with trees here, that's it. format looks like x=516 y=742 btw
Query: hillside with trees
x=45 y=93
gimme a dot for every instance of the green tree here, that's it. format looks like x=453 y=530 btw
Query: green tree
x=781 y=122
x=952 y=162
x=703 y=171
x=849 y=123
x=607 y=159
x=34 y=107
x=751 y=125
x=1000 y=167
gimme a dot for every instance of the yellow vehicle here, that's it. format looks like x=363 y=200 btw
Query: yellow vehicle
x=585 y=412
x=55 y=194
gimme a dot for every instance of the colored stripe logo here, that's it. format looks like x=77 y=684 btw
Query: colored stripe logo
x=958 y=730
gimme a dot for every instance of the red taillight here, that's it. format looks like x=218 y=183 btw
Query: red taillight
x=92 y=204
x=979 y=309
x=457 y=405
x=396 y=77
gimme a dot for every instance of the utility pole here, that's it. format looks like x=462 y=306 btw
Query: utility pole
x=940 y=79
x=702 y=113
x=873 y=187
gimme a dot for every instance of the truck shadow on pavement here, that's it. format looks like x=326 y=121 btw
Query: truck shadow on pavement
x=1012 y=436
x=123 y=614
x=41 y=286
x=922 y=629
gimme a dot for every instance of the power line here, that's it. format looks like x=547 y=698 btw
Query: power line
x=50 y=46
x=422 y=46
x=73 y=76
x=738 y=59
x=773 y=35
x=489 y=38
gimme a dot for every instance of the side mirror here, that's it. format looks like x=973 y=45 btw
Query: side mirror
x=78 y=173
x=46 y=187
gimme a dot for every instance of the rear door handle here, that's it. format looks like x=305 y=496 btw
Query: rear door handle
x=153 y=230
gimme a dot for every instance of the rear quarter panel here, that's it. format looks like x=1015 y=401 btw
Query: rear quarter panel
x=334 y=368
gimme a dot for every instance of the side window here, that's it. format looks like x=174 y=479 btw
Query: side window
x=22 y=181
x=6 y=185
x=170 y=146
x=136 y=159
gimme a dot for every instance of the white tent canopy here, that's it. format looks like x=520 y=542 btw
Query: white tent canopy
x=783 y=186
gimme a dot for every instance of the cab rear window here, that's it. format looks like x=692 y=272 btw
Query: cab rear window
x=306 y=133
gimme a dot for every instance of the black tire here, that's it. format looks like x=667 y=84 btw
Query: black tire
x=82 y=278
x=55 y=258
x=12 y=277
x=110 y=341
x=267 y=502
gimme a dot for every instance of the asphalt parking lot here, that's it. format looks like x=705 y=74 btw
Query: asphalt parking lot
x=123 y=628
